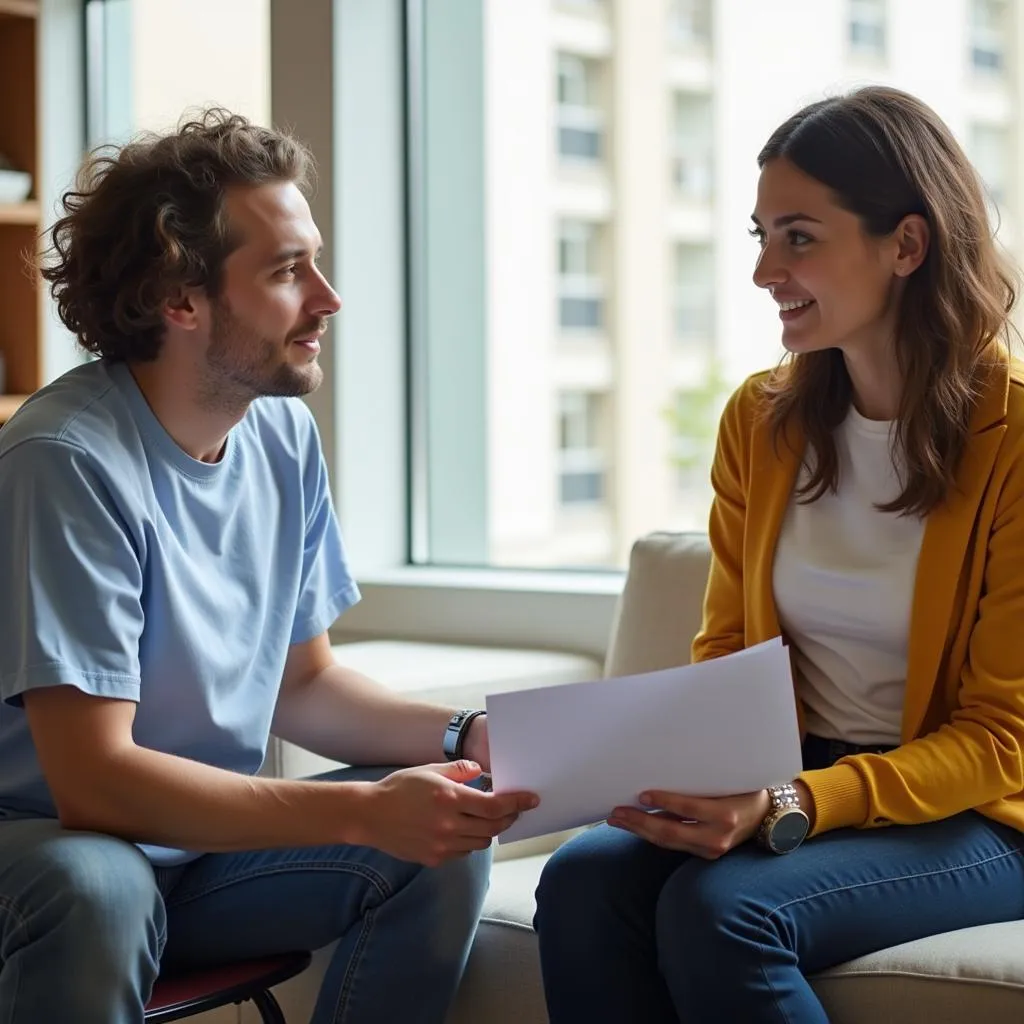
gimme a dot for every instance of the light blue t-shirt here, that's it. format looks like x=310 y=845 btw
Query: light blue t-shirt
x=131 y=570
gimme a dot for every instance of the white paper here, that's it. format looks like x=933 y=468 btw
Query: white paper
x=716 y=728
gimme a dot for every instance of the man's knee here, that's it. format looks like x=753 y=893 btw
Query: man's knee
x=85 y=884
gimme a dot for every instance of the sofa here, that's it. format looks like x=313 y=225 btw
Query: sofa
x=973 y=974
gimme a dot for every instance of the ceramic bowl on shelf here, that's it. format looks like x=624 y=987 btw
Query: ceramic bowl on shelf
x=14 y=186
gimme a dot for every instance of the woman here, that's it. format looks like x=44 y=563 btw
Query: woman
x=869 y=506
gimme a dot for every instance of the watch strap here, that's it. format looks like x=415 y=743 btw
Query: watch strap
x=456 y=730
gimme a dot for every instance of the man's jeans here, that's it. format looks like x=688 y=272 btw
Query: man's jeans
x=86 y=922
x=632 y=932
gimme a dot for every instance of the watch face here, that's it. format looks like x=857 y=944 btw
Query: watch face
x=788 y=831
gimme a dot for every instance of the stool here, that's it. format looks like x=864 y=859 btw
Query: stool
x=191 y=992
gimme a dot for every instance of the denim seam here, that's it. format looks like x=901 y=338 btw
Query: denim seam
x=768 y=982
x=376 y=880
x=894 y=878
x=861 y=885
x=341 y=1006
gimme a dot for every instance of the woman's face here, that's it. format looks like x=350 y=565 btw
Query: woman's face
x=835 y=285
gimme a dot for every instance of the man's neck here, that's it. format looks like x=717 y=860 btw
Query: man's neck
x=173 y=393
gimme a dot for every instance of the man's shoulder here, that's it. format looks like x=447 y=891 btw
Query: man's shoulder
x=80 y=409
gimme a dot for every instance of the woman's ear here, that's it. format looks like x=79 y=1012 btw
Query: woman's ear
x=912 y=237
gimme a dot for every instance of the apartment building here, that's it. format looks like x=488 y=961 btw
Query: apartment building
x=621 y=151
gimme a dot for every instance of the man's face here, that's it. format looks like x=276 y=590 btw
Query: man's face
x=274 y=303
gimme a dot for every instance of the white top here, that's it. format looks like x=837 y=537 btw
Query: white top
x=844 y=581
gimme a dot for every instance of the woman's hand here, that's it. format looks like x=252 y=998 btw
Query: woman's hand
x=704 y=826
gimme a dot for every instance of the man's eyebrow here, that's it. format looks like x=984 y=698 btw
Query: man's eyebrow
x=294 y=254
x=787 y=219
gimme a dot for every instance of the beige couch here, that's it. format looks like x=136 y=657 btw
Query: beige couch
x=973 y=975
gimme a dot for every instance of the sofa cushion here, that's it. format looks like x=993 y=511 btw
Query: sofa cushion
x=973 y=974
x=502 y=982
x=660 y=609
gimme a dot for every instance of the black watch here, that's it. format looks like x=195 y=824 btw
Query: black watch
x=456 y=731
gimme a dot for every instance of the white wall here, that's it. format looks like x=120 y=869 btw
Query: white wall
x=198 y=52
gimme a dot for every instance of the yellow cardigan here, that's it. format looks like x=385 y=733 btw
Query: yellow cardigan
x=962 y=732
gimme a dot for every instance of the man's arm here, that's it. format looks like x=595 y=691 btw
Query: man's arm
x=102 y=781
x=339 y=713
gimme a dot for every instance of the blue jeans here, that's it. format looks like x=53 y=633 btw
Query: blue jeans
x=632 y=932
x=86 y=923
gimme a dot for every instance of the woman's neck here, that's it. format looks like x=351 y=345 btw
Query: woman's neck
x=877 y=382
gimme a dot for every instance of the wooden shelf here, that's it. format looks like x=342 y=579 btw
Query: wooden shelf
x=9 y=405
x=20 y=8
x=19 y=213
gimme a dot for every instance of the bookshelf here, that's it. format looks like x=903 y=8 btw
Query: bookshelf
x=21 y=302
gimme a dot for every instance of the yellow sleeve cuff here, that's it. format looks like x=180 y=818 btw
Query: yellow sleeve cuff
x=840 y=797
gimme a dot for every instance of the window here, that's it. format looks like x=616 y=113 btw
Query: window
x=580 y=119
x=867 y=28
x=989 y=148
x=132 y=86
x=690 y=23
x=580 y=287
x=694 y=294
x=108 y=70
x=692 y=166
x=989 y=31
x=581 y=461
x=571 y=318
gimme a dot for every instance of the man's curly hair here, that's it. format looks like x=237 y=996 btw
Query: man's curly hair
x=147 y=221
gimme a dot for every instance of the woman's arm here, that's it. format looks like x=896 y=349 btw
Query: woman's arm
x=722 y=629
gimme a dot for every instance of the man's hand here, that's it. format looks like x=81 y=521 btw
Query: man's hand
x=427 y=815
x=704 y=826
x=476 y=746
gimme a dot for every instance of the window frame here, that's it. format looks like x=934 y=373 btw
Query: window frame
x=368 y=216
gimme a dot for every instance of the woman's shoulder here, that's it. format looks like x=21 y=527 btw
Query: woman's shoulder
x=1015 y=391
x=746 y=405
x=750 y=394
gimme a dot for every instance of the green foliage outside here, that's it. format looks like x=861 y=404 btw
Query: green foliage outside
x=693 y=419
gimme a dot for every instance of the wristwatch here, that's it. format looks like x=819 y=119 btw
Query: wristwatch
x=785 y=826
x=456 y=731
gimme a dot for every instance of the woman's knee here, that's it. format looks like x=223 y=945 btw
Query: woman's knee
x=707 y=905
x=600 y=874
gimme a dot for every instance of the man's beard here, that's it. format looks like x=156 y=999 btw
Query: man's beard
x=243 y=365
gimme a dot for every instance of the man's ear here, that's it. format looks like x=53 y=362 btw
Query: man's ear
x=181 y=309
x=912 y=237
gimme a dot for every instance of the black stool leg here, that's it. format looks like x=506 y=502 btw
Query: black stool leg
x=270 y=1011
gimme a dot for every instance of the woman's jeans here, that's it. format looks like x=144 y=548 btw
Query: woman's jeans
x=631 y=932
x=86 y=922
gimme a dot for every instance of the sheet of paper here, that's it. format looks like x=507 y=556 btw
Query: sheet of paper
x=712 y=729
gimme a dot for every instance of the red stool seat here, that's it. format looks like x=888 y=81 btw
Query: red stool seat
x=184 y=995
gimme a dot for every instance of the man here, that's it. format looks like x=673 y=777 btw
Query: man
x=171 y=563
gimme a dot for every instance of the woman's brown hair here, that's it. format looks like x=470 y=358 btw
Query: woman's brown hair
x=148 y=221
x=885 y=155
